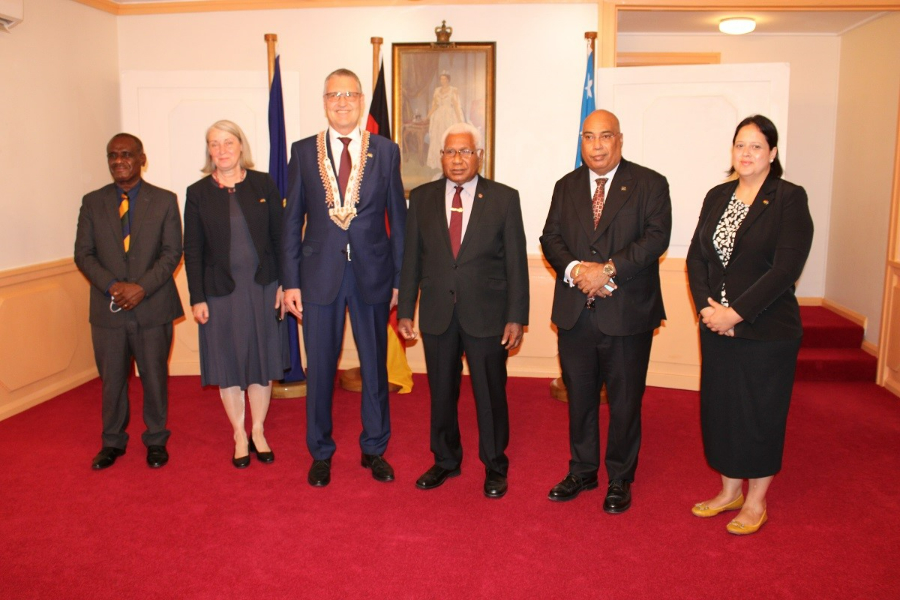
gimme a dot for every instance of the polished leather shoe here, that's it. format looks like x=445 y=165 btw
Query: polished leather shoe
x=319 y=473
x=618 y=497
x=241 y=463
x=157 y=456
x=435 y=477
x=263 y=457
x=106 y=457
x=703 y=510
x=738 y=528
x=495 y=485
x=381 y=470
x=571 y=486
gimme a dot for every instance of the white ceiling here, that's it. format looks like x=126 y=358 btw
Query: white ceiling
x=773 y=22
x=700 y=22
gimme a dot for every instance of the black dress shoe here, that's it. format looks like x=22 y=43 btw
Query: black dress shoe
x=618 y=497
x=106 y=457
x=571 y=486
x=263 y=457
x=495 y=485
x=157 y=456
x=319 y=473
x=381 y=470
x=436 y=476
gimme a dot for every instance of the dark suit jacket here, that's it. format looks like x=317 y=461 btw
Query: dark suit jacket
x=633 y=231
x=770 y=249
x=207 y=233
x=314 y=260
x=489 y=277
x=154 y=253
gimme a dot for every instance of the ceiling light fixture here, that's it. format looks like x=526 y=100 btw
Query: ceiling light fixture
x=737 y=25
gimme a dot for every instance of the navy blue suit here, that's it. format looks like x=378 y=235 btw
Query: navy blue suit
x=333 y=278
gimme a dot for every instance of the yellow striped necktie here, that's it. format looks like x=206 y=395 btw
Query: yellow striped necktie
x=123 y=216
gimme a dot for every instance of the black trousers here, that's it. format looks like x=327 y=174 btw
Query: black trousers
x=590 y=358
x=486 y=358
x=114 y=349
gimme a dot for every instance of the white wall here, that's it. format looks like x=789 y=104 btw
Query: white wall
x=59 y=105
x=814 y=63
x=540 y=68
x=863 y=168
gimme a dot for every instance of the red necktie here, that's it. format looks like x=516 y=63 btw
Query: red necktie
x=456 y=211
x=344 y=171
x=599 y=199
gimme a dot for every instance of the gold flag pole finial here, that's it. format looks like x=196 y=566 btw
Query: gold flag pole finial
x=271 y=40
x=376 y=66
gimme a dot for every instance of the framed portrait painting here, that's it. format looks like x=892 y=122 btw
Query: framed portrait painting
x=436 y=86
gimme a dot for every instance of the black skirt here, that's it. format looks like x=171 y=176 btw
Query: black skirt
x=745 y=393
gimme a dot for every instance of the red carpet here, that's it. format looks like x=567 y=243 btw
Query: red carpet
x=198 y=528
x=831 y=349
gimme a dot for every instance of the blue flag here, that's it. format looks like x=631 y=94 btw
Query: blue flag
x=587 y=99
x=278 y=170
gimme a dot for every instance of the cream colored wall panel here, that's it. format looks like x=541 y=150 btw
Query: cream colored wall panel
x=38 y=334
x=45 y=337
x=658 y=108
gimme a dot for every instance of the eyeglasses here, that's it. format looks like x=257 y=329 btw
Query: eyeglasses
x=335 y=96
x=606 y=136
x=464 y=154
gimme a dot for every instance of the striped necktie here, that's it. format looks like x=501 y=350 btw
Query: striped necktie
x=123 y=216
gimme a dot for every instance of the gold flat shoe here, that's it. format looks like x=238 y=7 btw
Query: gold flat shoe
x=740 y=529
x=703 y=510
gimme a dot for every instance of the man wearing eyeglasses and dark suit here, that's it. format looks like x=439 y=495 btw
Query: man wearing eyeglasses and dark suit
x=338 y=255
x=128 y=244
x=609 y=224
x=465 y=251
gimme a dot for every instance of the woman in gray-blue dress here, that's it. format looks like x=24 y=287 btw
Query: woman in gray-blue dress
x=232 y=233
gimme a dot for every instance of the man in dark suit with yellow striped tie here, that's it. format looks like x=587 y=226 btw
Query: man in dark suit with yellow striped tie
x=128 y=244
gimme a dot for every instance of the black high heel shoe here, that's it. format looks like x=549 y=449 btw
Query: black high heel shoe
x=263 y=457
x=244 y=461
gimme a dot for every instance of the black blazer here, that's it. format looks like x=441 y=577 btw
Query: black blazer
x=770 y=249
x=634 y=232
x=489 y=277
x=207 y=233
x=154 y=253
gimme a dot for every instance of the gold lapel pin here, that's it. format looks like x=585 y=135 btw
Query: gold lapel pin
x=766 y=202
x=283 y=202
x=481 y=195
x=369 y=154
x=262 y=200
x=624 y=189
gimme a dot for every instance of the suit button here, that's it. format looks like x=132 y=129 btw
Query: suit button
x=593 y=252
x=454 y=266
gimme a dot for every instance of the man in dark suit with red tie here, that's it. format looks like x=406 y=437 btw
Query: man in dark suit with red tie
x=609 y=224
x=128 y=244
x=465 y=251
x=337 y=255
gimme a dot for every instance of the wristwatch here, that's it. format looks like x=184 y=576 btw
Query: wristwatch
x=609 y=270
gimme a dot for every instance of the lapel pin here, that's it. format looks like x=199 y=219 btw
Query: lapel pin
x=283 y=202
x=624 y=189
x=481 y=195
x=369 y=154
x=766 y=202
x=262 y=200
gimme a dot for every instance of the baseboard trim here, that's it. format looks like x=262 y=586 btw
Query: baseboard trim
x=46 y=393
x=845 y=312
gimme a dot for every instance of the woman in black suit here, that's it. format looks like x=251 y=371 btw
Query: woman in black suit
x=232 y=235
x=749 y=248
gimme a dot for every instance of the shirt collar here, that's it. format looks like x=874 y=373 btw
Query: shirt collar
x=468 y=187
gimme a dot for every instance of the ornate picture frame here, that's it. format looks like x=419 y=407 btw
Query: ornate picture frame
x=435 y=86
